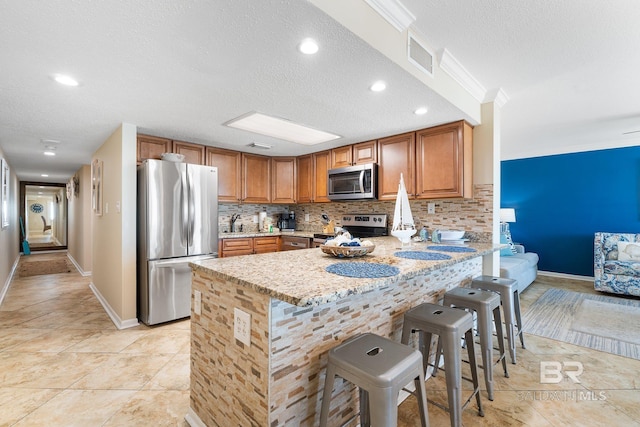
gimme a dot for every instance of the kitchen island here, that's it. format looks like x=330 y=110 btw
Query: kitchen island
x=298 y=312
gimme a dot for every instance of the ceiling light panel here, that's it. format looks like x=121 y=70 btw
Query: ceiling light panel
x=280 y=128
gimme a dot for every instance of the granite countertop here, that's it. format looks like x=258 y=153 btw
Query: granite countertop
x=299 y=277
x=238 y=235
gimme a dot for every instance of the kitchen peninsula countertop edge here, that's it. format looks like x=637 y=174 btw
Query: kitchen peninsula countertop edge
x=300 y=277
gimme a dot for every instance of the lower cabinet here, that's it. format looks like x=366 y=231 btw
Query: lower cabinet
x=290 y=243
x=247 y=246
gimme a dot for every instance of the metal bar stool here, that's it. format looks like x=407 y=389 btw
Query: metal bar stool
x=487 y=306
x=508 y=290
x=381 y=368
x=450 y=324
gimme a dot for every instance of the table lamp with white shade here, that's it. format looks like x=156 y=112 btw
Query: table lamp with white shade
x=507 y=215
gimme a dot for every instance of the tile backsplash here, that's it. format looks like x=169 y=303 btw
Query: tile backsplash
x=472 y=215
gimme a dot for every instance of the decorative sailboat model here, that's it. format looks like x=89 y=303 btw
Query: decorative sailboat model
x=403 y=226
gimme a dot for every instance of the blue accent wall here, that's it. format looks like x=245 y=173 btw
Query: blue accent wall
x=562 y=200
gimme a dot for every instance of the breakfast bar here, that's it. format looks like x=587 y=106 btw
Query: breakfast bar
x=298 y=312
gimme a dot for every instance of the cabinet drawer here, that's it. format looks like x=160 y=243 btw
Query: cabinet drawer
x=290 y=243
x=265 y=244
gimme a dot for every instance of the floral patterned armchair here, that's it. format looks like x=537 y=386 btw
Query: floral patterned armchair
x=617 y=263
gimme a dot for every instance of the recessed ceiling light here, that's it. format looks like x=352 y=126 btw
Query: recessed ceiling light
x=378 y=86
x=44 y=175
x=420 y=111
x=308 y=46
x=280 y=128
x=65 y=80
x=49 y=153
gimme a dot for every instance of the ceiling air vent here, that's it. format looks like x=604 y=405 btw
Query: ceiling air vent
x=419 y=55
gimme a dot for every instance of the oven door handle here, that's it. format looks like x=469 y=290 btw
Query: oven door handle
x=361 y=180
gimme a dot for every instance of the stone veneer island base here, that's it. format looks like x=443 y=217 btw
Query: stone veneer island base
x=298 y=312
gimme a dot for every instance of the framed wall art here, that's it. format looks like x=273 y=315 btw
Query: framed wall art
x=4 y=192
x=96 y=186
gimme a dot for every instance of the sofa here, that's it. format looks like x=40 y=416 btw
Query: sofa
x=616 y=263
x=519 y=265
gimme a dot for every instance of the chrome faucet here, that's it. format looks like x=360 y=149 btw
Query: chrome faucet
x=234 y=218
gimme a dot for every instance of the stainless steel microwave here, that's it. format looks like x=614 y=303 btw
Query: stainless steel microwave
x=353 y=182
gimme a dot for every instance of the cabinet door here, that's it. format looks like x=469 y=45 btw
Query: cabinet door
x=304 y=178
x=263 y=245
x=151 y=147
x=256 y=178
x=283 y=172
x=443 y=161
x=395 y=157
x=321 y=163
x=193 y=153
x=229 y=164
x=365 y=152
x=341 y=157
x=234 y=247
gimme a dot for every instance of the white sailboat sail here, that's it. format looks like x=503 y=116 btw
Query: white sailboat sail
x=403 y=226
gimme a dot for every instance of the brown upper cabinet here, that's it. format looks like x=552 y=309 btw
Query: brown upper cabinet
x=256 y=178
x=444 y=161
x=229 y=163
x=436 y=163
x=151 y=147
x=193 y=153
x=356 y=154
x=396 y=155
x=312 y=177
x=283 y=173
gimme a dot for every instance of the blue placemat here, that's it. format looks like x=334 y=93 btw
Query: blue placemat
x=362 y=270
x=451 y=248
x=422 y=255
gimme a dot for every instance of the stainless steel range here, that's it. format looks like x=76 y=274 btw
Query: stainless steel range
x=358 y=225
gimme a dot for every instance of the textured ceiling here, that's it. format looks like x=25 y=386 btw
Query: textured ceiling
x=182 y=68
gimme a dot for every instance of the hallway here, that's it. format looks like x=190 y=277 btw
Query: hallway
x=63 y=362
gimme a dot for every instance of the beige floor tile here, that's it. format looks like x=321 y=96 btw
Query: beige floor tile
x=153 y=408
x=173 y=376
x=52 y=341
x=122 y=372
x=160 y=341
x=80 y=408
x=110 y=341
x=11 y=336
x=15 y=403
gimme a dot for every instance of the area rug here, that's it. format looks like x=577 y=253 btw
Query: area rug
x=599 y=322
x=37 y=267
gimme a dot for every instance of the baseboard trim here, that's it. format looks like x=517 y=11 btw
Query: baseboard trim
x=5 y=287
x=120 y=324
x=193 y=419
x=566 y=276
x=80 y=270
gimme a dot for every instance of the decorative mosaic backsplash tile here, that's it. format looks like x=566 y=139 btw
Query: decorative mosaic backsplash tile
x=473 y=215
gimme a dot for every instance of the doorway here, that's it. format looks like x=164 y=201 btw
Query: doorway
x=43 y=210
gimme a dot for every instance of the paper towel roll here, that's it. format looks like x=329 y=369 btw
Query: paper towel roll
x=261 y=217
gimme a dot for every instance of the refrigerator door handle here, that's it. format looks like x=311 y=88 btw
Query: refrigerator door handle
x=184 y=211
x=191 y=207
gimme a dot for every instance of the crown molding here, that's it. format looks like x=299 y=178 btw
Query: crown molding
x=393 y=12
x=450 y=65
x=498 y=96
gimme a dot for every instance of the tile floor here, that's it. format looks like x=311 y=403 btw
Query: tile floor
x=63 y=363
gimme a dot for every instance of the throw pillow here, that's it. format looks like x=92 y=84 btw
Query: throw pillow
x=628 y=251
x=505 y=239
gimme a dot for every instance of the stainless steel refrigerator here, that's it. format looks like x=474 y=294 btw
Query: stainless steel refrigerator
x=177 y=224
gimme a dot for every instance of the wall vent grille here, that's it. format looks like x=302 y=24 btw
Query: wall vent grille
x=419 y=55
